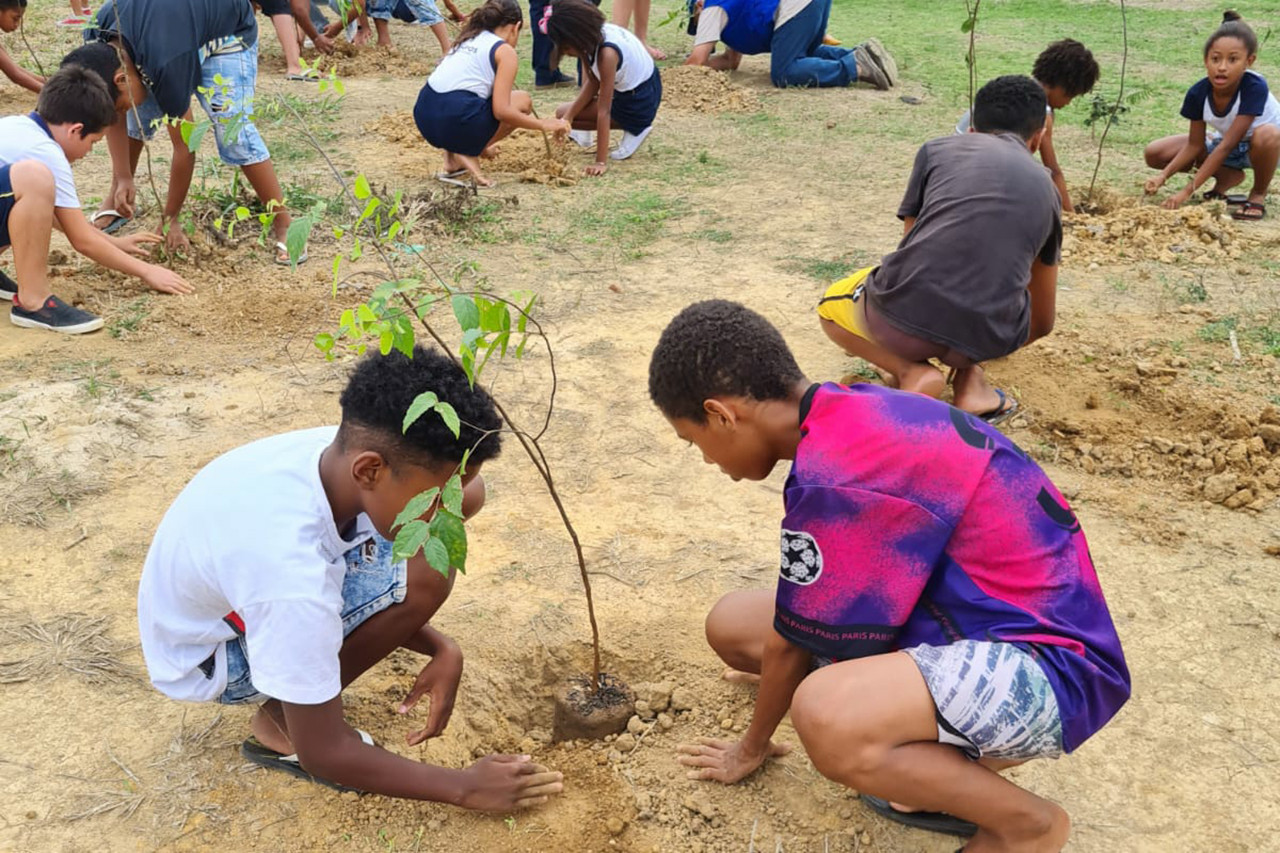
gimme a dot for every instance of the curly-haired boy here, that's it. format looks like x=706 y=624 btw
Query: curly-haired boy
x=271 y=580
x=937 y=616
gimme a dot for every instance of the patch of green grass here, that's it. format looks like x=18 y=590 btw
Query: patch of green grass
x=1218 y=331
x=828 y=269
x=716 y=235
x=630 y=222
x=130 y=317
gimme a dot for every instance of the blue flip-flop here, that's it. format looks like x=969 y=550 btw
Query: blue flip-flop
x=1007 y=408
x=118 y=220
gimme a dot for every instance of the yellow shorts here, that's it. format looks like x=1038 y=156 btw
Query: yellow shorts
x=842 y=303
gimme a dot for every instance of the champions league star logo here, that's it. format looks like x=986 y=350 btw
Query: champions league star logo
x=801 y=560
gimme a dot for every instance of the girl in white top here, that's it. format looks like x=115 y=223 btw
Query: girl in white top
x=468 y=103
x=619 y=79
x=1235 y=125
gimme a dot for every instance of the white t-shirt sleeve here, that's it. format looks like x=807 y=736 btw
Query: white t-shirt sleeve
x=788 y=9
x=293 y=649
x=64 y=186
x=711 y=23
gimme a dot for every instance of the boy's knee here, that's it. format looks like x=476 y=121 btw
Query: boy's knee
x=33 y=179
x=836 y=746
x=1152 y=154
x=1267 y=136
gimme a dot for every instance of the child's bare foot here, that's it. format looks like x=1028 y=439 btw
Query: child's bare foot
x=737 y=676
x=923 y=379
x=473 y=167
x=269 y=731
x=1045 y=833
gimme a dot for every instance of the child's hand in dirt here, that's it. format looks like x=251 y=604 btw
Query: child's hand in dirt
x=330 y=33
x=557 y=126
x=166 y=280
x=324 y=43
x=175 y=239
x=139 y=244
x=724 y=760
x=500 y=783
x=439 y=682
x=1176 y=200
x=1153 y=185
x=595 y=170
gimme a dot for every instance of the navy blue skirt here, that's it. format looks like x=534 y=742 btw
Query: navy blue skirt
x=634 y=111
x=460 y=121
x=6 y=206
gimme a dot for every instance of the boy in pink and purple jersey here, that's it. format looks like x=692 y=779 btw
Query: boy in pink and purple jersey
x=937 y=616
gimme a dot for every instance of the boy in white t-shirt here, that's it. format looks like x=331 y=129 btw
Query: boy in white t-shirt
x=38 y=193
x=270 y=579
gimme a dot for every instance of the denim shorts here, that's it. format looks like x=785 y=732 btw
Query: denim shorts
x=1237 y=159
x=373 y=582
x=993 y=700
x=229 y=106
x=424 y=12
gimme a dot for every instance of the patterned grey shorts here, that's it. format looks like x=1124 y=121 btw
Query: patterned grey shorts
x=993 y=700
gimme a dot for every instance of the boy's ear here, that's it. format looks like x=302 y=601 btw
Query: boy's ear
x=367 y=468
x=719 y=414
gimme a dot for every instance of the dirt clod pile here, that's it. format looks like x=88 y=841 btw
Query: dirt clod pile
x=1129 y=229
x=525 y=153
x=696 y=88
x=352 y=61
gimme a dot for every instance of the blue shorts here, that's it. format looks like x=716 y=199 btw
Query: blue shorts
x=634 y=111
x=424 y=12
x=6 y=206
x=229 y=107
x=1237 y=159
x=461 y=121
x=373 y=583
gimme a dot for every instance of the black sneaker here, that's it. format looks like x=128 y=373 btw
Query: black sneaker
x=8 y=287
x=56 y=316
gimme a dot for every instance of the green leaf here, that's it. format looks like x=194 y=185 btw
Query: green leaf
x=437 y=554
x=449 y=416
x=242 y=213
x=416 y=507
x=395 y=229
x=449 y=530
x=464 y=308
x=324 y=342
x=967 y=25
x=295 y=239
x=423 y=403
x=451 y=497
x=385 y=341
x=361 y=189
x=409 y=540
x=365 y=313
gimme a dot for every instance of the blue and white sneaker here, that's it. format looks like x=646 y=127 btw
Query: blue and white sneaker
x=8 y=287
x=55 y=316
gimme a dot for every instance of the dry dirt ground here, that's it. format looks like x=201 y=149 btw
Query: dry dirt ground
x=1152 y=404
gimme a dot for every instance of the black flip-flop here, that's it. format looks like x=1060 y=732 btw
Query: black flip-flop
x=1007 y=408
x=1231 y=200
x=1245 y=212
x=253 y=750
x=928 y=821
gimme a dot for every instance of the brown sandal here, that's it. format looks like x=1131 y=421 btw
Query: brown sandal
x=1250 y=211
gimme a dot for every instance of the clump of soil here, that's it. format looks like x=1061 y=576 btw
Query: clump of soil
x=696 y=88
x=1109 y=228
x=525 y=153
x=351 y=61
x=585 y=714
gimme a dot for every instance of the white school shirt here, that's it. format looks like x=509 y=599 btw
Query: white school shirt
x=1253 y=95
x=469 y=66
x=635 y=65
x=22 y=138
x=251 y=533
x=713 y=19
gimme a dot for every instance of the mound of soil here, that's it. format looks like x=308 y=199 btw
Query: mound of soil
x=696 y=88
x=523 y=153
x=352 y=61
x=1124 y=228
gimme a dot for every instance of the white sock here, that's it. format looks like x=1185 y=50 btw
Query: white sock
x=582 y=137
x=630 y=143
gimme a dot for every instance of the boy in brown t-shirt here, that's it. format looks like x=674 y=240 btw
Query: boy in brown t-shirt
x=974 y=276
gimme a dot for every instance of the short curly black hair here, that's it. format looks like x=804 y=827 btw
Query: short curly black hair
x=1068 y=65
x=1010 y=104
x=719 y=348
x=379 y=393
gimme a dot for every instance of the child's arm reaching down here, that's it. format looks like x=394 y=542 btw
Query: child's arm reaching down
x=114 y=254
x=608 y=62
x=1049 y=156
x=783 y=666
x=18 y=74
x=504 y=110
